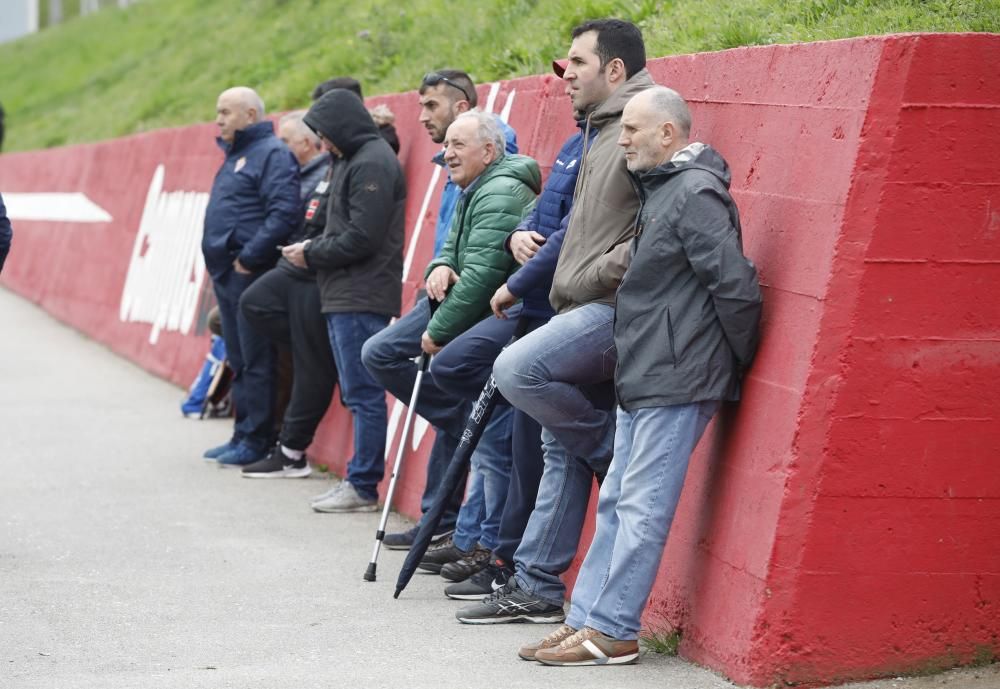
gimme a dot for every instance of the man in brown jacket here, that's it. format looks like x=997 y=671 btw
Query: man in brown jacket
x=546 y=372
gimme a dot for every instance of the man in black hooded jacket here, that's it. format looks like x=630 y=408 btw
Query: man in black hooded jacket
x=359 y=268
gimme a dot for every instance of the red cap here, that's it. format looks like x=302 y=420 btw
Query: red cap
x=559 y=67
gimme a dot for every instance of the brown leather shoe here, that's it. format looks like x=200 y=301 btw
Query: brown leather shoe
x=590 y=647
x=527 y=652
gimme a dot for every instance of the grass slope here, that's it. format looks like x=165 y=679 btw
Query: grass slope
x=162 y=62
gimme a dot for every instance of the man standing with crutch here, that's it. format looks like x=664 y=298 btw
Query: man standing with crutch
x=497 y=189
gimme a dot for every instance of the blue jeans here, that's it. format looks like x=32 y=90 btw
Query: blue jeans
x=251 y=357
x=388 y=356
x=462 y=369
x=362 y=395
x=544 y=375
x=636 y=508
x=479 y=518
x=541 y=375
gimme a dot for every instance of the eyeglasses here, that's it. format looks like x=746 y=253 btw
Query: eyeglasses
x=434 y=78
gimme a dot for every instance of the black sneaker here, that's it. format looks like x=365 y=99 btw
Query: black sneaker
x=404 y=539
x=511 y=603
x=440 y=555
x=277 y=465
x=460 y=570
x=481 y=584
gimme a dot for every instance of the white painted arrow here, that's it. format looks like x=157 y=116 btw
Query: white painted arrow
x=54 y=207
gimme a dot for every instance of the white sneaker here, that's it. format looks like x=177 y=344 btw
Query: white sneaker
x=327 y=495
x=345 y=499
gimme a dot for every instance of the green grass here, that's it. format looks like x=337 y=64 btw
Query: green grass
x=163 y=62
x=663 y=641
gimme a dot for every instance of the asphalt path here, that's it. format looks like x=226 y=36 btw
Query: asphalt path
x=128 y=561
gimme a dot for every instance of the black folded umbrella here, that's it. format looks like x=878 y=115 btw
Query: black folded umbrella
x=457 y=470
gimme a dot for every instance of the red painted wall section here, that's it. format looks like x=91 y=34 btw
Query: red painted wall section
x=886 y=558
x=791 y=142
x=837 y=523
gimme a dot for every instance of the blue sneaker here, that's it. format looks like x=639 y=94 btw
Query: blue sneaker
x=241 y=455
x=214 y=453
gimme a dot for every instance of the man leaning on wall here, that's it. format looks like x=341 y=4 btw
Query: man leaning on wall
x=254 y=206
x=686 y=330
x=553 y=372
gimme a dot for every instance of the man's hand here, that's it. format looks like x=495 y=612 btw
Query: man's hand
x=429 y=345
x=296 y=254
x=438 y=282
x=502 y=299
x=240 y=268
x=524 y=244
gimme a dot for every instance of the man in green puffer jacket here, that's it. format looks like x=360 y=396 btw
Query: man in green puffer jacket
x=497 y=191
x=494 y=198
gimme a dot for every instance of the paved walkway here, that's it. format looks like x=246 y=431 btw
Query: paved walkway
x=126 y=561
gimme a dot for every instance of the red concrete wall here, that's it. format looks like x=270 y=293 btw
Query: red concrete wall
x=839 y=522
x=893 y=505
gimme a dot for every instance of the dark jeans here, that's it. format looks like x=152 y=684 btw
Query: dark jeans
x=388 y=356
x=286 y=310
x=462 y=368
x=251 y=357
x=362 y=395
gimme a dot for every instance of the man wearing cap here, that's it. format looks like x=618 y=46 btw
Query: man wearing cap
x=546 y=373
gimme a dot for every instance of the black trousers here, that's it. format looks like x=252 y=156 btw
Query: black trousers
x=286 y=310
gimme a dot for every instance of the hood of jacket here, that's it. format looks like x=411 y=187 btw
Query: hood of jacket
x=706 y=158
x=611 y=109
x=522 y=168
x=341 y=117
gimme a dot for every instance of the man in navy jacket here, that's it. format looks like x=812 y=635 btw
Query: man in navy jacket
x=253 y=208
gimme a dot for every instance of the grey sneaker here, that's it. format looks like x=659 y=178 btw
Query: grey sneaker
x=511 y=603
x=441 y=554
x=346 y=499
x=461 y=570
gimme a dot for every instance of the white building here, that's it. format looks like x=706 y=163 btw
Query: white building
x=17 y=18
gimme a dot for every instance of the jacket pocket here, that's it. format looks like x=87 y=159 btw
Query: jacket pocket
x=645 y=341
x=670 y=336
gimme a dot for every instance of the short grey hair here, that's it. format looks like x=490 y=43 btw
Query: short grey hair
x=671 y=107
x=488 y=129
x=295 y=118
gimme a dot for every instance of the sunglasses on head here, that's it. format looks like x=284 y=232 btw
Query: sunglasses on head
x=433 y=79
